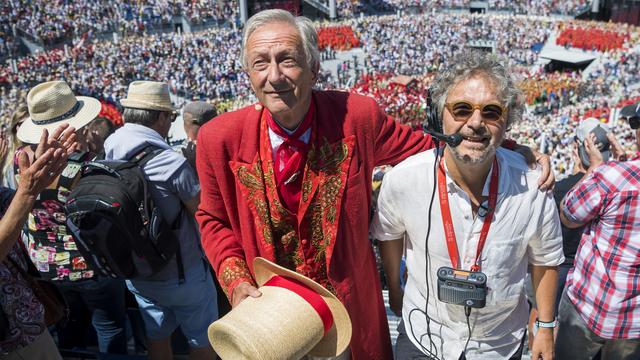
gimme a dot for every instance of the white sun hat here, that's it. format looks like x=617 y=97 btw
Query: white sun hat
x=52 y=104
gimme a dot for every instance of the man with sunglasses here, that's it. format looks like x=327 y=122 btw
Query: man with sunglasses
x=600 y=306
x=488 y=220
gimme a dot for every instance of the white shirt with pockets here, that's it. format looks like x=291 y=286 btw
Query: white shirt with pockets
x=525 y=230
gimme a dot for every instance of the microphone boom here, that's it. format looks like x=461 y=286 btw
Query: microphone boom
x=451 y=140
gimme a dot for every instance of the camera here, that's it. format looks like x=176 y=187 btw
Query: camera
x=601 y=142
x=460 y=287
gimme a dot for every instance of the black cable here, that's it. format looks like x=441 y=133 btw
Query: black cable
x=432 y=345
x=467 y=313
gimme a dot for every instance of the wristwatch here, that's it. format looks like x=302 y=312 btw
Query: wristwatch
x=545 y=324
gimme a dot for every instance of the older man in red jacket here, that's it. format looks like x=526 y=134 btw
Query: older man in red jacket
x=290 y=180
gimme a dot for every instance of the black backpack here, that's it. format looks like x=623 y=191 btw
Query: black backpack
x=115 y=222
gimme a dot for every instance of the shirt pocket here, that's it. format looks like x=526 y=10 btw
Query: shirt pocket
x=505 y=266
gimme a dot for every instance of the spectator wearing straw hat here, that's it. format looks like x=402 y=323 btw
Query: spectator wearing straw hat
x=183 y=293
x=50 y=244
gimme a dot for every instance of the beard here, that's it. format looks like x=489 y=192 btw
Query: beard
x=473 y=156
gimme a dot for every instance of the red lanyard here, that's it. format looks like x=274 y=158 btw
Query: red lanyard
x=449 y=232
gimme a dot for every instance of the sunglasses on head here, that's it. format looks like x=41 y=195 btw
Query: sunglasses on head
x=463 y=110
x=634 y=122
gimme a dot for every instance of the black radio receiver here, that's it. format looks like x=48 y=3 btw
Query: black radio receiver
x=460 y=287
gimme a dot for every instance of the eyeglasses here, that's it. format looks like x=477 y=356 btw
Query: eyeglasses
x=463 y=110
x=634 y=122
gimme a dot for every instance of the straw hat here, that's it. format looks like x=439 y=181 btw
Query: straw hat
x=148 y=95
x=281 y=324
x=52 y=104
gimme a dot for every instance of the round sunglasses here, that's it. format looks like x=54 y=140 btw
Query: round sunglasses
x=463 y=110
x=634 y=122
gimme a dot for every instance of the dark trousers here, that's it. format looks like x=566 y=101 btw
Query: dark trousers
x=563 y=271
x=576 y=341
x=103 y=299
x=405 y=350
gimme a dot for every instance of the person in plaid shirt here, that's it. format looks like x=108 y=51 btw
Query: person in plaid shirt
x=600 y=308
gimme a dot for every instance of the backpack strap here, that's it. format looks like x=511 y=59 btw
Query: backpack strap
x=71 y=171
x=179 y=262
x=141 y=159
x=176 y=226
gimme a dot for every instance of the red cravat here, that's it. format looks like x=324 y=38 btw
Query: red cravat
x=289 y=159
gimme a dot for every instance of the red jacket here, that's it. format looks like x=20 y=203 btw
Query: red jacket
x=353 y=136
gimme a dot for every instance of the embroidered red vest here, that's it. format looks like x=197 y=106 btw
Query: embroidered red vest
x=298 y=241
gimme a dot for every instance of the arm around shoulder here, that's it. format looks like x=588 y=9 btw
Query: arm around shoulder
x=395 y=142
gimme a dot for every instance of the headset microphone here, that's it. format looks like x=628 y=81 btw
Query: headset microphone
x=451 y=140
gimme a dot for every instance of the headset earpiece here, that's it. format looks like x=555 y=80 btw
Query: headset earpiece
x=433 y=121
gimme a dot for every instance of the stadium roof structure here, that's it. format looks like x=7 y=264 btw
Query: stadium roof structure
x=572 y=56
x=553 y=52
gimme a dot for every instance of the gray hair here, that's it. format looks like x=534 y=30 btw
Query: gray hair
x=140 y=116
x=306 y=30
x=472 y=63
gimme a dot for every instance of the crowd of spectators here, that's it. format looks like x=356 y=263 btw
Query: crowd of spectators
x=205 y=65
x=554 y=89
x=197 y=66
x=615 y=72
x=339 y=37
x=558 y=101
x=288 y=5
x=592 y=38
x=528 y=7
x=541 y=7
x=349 y=8
x=551 y=122
x=554 y=133
x=409 y=45
x=8 y=42
x=52 y=21
x=403 y=53
x=404 y=99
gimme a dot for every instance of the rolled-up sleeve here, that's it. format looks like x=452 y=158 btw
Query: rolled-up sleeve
x=545 y=247
x=387 y=223
x=582 y=204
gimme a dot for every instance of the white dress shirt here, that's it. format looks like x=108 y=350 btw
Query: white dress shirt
x=525 y=230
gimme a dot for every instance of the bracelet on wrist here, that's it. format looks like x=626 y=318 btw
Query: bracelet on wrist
x=546 y=324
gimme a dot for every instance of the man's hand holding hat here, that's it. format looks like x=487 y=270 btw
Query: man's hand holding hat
x=243 y=291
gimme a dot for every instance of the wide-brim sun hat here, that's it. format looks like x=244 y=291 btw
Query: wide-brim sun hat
x=148 y=95
x=294 y=317
x=52 y=104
